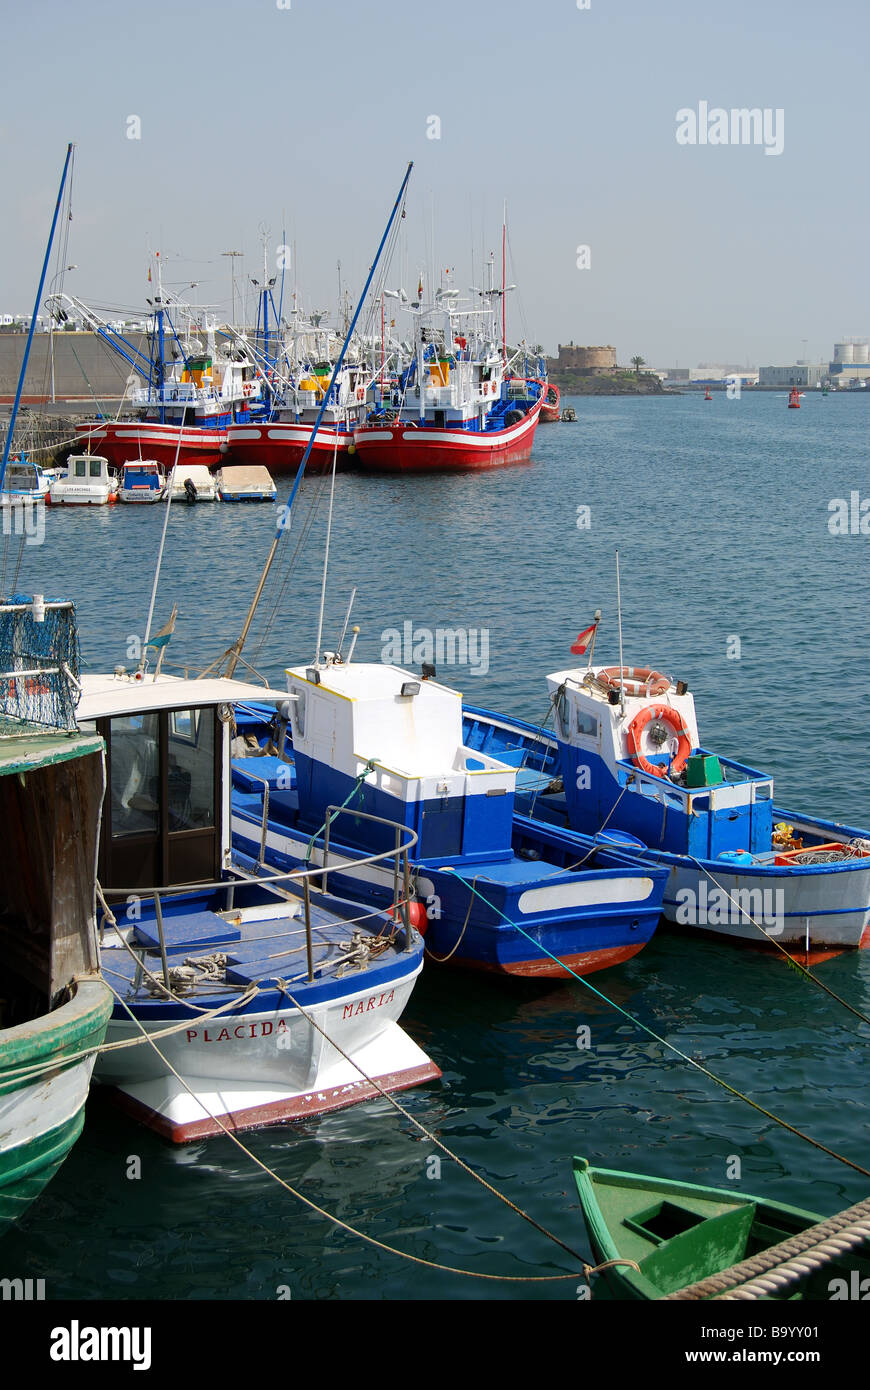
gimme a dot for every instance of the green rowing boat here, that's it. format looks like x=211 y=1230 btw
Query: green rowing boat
x=678 y=1233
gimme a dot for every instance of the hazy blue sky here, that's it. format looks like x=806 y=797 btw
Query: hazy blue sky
x=252 y=114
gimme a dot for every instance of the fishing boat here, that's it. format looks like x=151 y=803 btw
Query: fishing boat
x=794 y=399
x=192 y=482
x=283 y=999
x=87 y=481
x=54 y=1007
x=182 y=393
x=23 y=483
x=569 y=415
x=245 y=483
x=490 y=892
x=142 y=481
x=550 y=404
x=626 y=753
x=457 y=404
x=679 y=1233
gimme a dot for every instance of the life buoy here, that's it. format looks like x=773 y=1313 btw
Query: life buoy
x=248 y=388
x=360 y=393
x=635 y=680
x=636 y=728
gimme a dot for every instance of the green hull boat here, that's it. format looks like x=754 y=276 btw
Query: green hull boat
x=54 y=1005
x=678 y=1233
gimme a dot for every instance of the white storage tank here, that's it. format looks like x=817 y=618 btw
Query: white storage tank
x=844 y=352
x=861 y=352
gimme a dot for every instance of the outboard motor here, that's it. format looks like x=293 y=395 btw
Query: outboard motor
x=190 y=493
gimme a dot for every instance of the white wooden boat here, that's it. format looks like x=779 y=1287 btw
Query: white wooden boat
x=192 y=482
x=142 y=481
x=246 y=483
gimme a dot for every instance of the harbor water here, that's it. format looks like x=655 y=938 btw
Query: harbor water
x=735 y=579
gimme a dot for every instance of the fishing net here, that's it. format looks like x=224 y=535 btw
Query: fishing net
x=39 y=664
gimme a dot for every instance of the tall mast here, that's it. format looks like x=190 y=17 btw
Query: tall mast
x=20 y=387
x=236 y=650
x=504 y=283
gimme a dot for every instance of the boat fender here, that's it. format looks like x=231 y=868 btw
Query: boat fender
x=636 y=728
x=417 y=915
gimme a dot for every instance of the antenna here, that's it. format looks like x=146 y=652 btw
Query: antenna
x=346 y=621
x=619 y=621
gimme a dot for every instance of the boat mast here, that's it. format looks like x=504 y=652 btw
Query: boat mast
x=236 y=649
x=504 y=283
x=20 y=387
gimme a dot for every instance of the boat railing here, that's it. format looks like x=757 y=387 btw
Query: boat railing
x=401 y=872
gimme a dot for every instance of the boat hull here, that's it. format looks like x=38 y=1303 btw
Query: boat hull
x=280 y=445
x=548 y=926
x=41 y=1119
x=125 y=441
x=262 y=1066
x=400 y=447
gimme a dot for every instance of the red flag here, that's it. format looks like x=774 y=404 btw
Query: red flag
x=579 y=647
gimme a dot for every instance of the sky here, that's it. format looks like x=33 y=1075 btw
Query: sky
x=298 y=117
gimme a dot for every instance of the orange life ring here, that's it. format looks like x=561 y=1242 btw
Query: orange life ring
x=360 y=393
x=635 y=680
x=248 y=388
x=636 y=728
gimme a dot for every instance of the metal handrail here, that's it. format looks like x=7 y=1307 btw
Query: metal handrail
x=302 y=876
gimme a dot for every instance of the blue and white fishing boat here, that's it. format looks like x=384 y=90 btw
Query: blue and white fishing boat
x=281 y=1000
x=142 y=481
x=630 y=765
x=491 y=891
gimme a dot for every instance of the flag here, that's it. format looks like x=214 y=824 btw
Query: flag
x=149 y=275
x=161 y=638
x=579 y=647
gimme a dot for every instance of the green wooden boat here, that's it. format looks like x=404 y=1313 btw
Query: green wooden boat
x=679 y=1233
x=53 y=1003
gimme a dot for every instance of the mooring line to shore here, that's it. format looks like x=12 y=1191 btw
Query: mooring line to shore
x=671 y=1046
x=588 y=1269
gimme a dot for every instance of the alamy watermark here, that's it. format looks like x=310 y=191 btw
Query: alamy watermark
x=716 y=907
x=24 y=516
x=445 y=646
x=743 y=125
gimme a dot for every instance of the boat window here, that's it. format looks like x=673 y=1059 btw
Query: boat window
x=96 y=469
x=587 y=724
x=191 y=770
x=81 y=468
x=135 y=775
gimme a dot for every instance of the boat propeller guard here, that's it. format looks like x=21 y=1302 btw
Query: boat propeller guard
x=634 y=680
x=663 y=714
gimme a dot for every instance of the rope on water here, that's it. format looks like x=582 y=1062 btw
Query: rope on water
x=705 y=1071
x=588 y=1269
x=782 y=1264
x=795 y=964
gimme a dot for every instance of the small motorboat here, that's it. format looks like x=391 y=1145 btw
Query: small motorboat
x=569 y=415
x=246 y=483
x=678 y=1233
x=142 y=481
x=24 y=482
x=192 y=482
x=86 y=481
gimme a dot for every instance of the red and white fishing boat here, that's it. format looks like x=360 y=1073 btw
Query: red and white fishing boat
x=455 y=404
x=182 y=394
x=550 y=405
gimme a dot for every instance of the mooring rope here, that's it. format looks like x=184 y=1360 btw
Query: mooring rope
x=588 y=1268
x=685 y=1057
